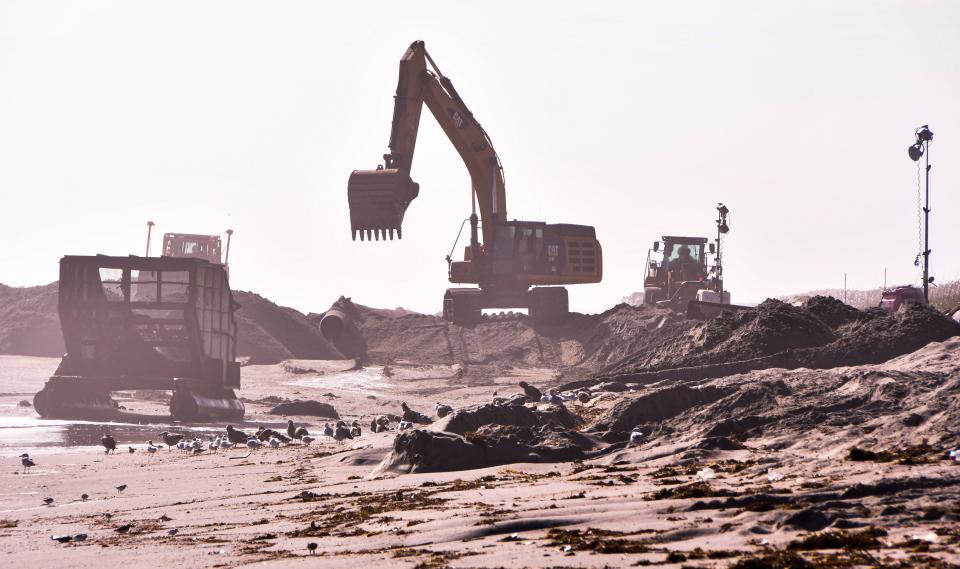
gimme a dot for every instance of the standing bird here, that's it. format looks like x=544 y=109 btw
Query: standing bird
x=274 y=442
x=27 y=462
x=214 y=444
x=300 y=432
x=235 y=436
x=150 y=448
x=121 y=488
x=443 y=410
x=84 y=497
x=412 y=416
x=131 y=450
x=48 y=501
x=225 y=443
x=532 y=393
x=306 y=439
x=636 y=436
x=404 y=425
x=312 y=547
x=355 y=429
x=291 y=429
x=327 y=430
x=342 y=433
x=109 y=444
x=170 y=439
x=253 y=443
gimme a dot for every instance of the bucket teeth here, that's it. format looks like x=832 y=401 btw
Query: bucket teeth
x=378 y=200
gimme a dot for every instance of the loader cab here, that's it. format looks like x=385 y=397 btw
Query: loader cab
x=191 y=246
x=673 y=262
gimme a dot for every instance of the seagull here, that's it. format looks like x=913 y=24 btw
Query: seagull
x=131 y=450
x=121 y=488
x=84 y=497
x=235 y=436
x=551 y=397
x=150 y=448
x=124 y=528
x=443 y=410
x=274 y=442
x=171 y=439
x=298 y=434
x=109 y=444
x=404 y=425
x=173 y=531
x=306 y=439
x=80 y=537
x=636 y=437
x=342 y=433
x=197 y=444
x=253 y=443
x=225 y=443
x=533 y=394
x=414 y=416
x=355 y=429
x=214 y=445
x=48 y=501
x=291 y=429
x=27 y=462
x=327 y=430
x=312 y=547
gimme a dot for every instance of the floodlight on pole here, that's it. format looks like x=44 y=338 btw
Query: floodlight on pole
x=921 y=148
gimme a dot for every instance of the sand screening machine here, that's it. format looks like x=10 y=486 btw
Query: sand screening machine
x=144 y=323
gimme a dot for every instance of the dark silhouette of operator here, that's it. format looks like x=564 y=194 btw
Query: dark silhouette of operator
x=685 y=263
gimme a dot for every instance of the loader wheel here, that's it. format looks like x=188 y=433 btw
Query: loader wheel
x=462 y=307
x=549 y=305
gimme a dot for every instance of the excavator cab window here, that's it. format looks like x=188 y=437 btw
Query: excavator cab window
x=503 y=254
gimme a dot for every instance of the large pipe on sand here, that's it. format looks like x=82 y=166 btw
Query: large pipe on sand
x=333 y=323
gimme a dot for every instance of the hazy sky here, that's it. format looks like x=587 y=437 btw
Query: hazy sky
x=635 y=117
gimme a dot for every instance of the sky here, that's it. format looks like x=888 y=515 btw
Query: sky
x=633 y=117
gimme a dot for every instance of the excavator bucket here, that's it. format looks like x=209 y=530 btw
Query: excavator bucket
x=378 y=199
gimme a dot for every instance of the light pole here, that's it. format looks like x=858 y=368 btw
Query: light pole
x=922 y=148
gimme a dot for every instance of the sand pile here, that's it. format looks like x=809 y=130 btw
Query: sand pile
x=29 y=324
x=268 y=333
x=821 y=333
x=897 y=402
x=583 y=341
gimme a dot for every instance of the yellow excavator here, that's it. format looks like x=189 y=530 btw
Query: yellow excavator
x=514 y=255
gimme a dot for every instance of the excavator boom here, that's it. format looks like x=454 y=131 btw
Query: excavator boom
x=379 y=198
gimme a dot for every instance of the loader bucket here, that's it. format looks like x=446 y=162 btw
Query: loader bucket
x=378 y=200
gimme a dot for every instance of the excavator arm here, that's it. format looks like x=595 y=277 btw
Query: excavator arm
x=379 y=198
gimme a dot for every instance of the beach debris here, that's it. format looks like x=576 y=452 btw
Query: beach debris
x=532 y=393
x=706 y=473
x=412 y=416
x=24 y=403
x=774 y=475
x=27 y=462
x=125 y=528
x=62 y=538
x=954 y=455
x=929 y=537
x=443 y=410
x=80 y=537
x=173 y=532
x=121 y=488
x=171 y=439
x=108 y=442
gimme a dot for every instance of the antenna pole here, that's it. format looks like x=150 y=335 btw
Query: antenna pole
x=149 y=231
